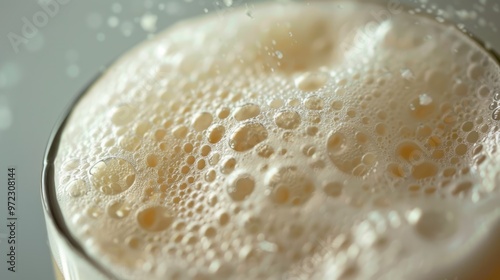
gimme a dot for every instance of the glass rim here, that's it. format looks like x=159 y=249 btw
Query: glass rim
x=52 y=210
x=50 y=204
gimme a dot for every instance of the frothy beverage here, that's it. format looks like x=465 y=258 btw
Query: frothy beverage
x=306 y=141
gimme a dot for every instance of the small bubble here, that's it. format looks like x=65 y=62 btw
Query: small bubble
x=112 y=176
x=215 y=133
x=155 y=218
x=311 y=81
x=290 y=186
x=333 y=189
x=496 y=114
x=265 y=151
x=432 y=224
x=228 y=165
x=246 y=112
x=313 y=103
x=118 y=209
x=77 y=188
x=247 y=136
x=202 y=121
x=180 y=131
x=122 y=115
x=241 y=187
x=287 y=119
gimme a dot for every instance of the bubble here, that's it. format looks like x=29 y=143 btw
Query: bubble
x=424 y=170
x=118 y=209
x=333 y=189
x=246 y=112
x=223 y=113
x=432 y=224
x=496 y=115
x=77 y=188
x=215 y=133
x=422 y=107
x=202 y=121
x=346 y=154
x=152 y=160
x=337 y=105
x=155 y=219
x=223 y=218
x=112 y=176
x=247 y=136
x=290 y=186
x=228 y=165
x=122 y=115
x=241 y=187
x=287 y=119
x=311 y=81
x=313 y=103
x=180 y=132
x=409 y=151
x=130 y=144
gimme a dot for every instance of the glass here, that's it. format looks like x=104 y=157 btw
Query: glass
x=71 y=261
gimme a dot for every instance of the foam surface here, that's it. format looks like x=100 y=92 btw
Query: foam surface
x=312 y=141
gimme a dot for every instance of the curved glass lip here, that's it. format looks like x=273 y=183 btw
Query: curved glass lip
x=49 y=198
x=48 y=195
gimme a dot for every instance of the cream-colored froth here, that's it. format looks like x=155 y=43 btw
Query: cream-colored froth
x=309 y=141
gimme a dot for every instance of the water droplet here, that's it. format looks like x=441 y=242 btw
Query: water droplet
x=246 y=112
x=112 y=176
x=241 y=187
x=287 y=119
x=279 y=54
x=155 y=218
x=148 y=22
x=290 y=186
x=311 y=81
x=247 y=136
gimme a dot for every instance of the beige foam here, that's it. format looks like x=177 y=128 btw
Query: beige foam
x=308 y=142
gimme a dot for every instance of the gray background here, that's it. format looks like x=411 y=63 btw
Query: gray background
x=40 y=77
